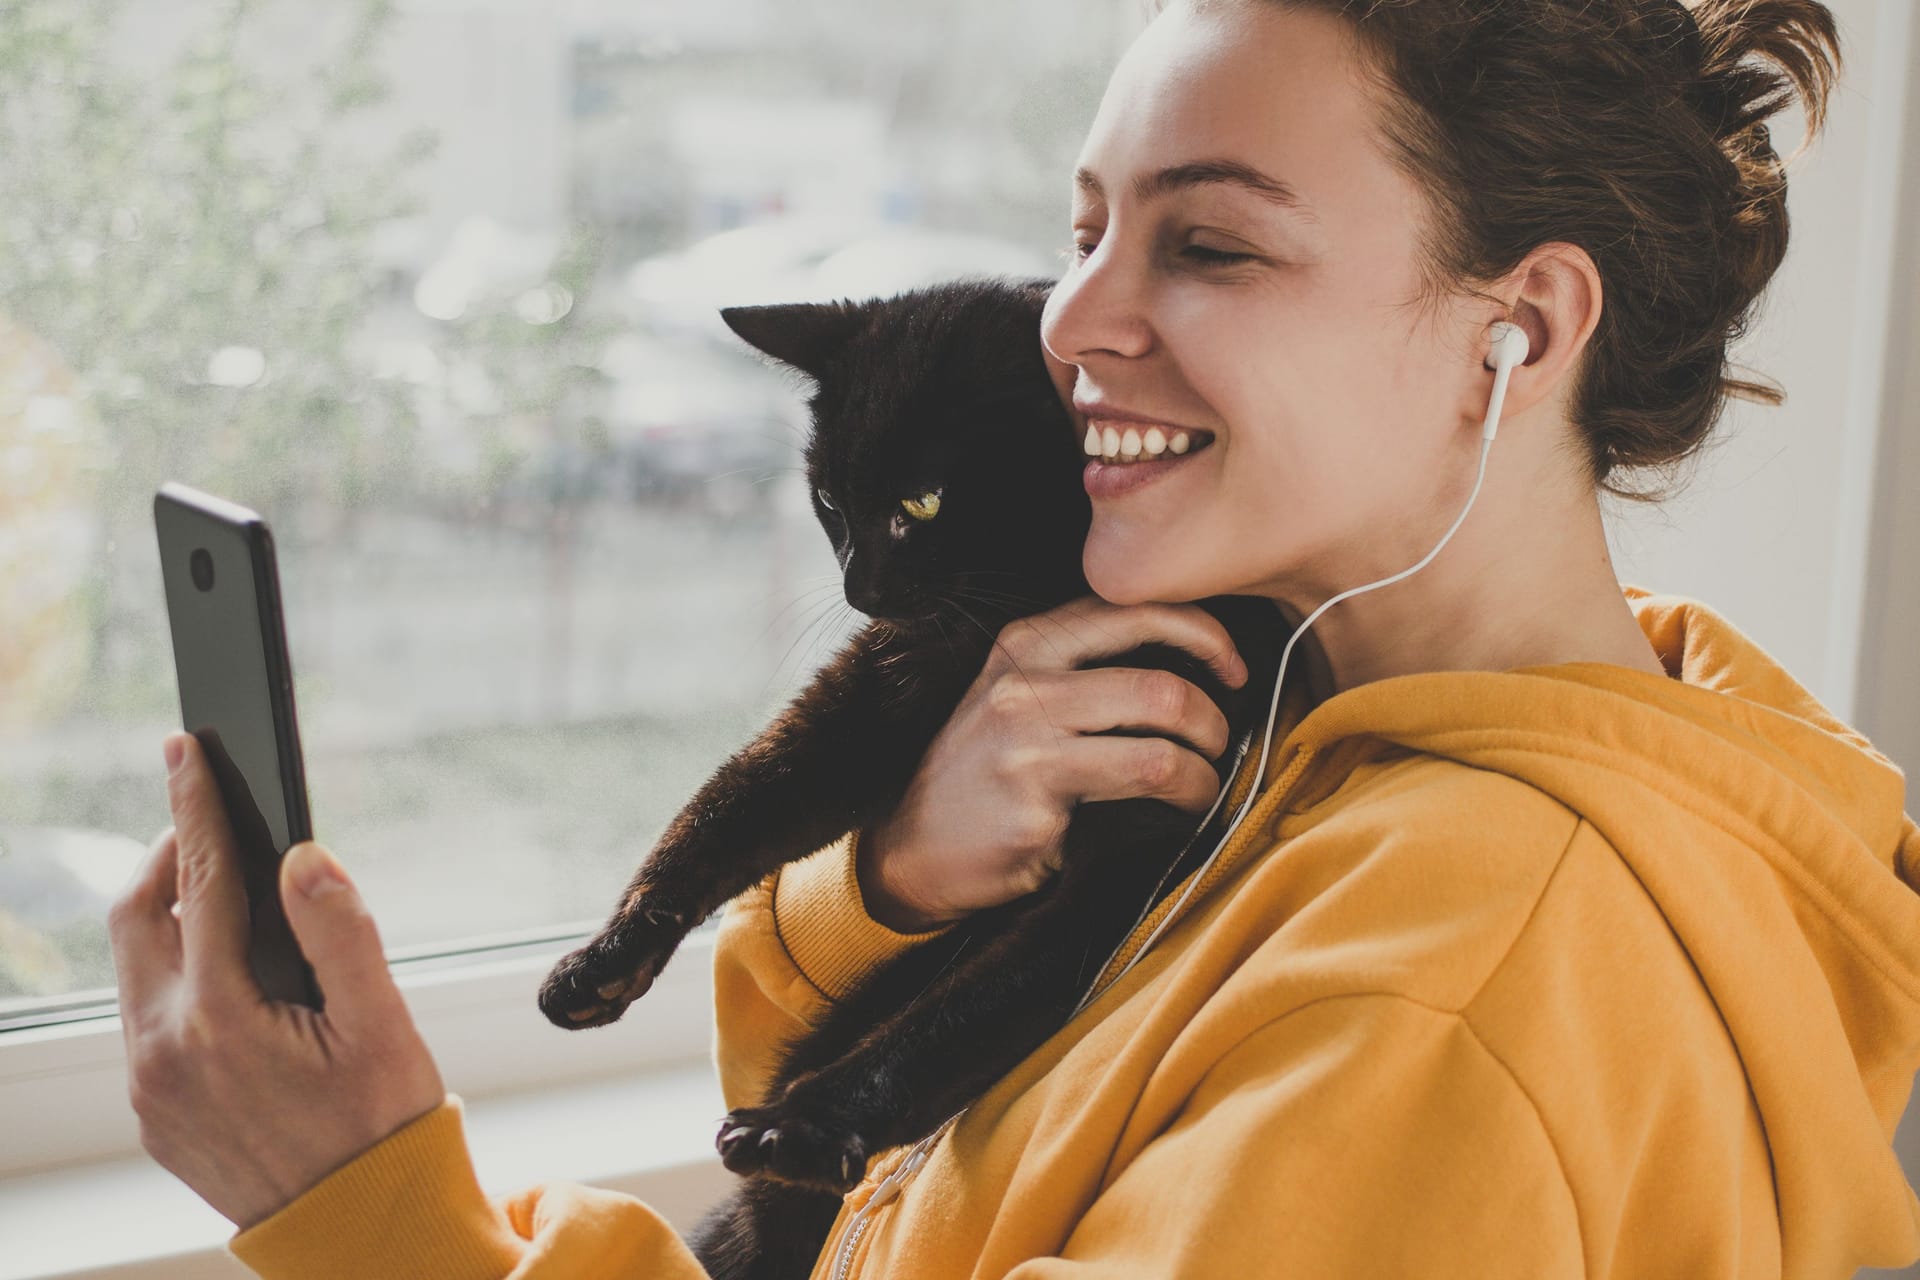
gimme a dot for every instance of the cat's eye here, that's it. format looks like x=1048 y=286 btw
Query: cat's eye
x=825 y=501
x=924 y=507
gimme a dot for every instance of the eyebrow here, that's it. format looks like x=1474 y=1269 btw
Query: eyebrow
x=1197 y=173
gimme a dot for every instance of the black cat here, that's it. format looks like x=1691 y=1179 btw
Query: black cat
x=946 y=471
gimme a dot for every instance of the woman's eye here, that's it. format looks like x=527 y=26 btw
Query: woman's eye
x=1198 y=252
x=1215 y=255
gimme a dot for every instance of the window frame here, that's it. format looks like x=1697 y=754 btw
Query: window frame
x=64 y=1089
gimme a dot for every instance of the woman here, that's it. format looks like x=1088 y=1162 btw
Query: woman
x=1567 y=935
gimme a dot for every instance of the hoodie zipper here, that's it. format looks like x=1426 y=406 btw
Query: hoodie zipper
x=887 y=1190
x=891 y=1185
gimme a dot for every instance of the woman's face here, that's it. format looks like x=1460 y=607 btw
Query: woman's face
x=1341 y=413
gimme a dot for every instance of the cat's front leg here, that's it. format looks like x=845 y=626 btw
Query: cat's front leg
x=779 y=1142
x=593 y=985
x=840 y=753
x=917 y=1068
x=977 y=1018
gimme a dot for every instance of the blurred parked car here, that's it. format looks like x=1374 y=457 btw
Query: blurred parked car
x=681 y=291
x=808 y=258
x=899 y=258
x=691 y=421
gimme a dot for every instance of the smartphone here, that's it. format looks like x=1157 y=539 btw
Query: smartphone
x=236 y=698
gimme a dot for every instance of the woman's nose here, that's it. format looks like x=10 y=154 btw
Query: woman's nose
x=1098 y=307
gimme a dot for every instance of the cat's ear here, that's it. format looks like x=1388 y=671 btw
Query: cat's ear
x=805 y=335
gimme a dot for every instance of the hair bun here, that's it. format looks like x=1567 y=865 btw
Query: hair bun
x=1755 y=57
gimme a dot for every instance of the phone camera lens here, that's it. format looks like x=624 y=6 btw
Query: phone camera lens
x=201 y=565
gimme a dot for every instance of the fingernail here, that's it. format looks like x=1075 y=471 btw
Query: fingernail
x=175 y=750
x=314 y=870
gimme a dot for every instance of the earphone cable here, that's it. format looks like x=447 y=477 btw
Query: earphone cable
x=1510 y=349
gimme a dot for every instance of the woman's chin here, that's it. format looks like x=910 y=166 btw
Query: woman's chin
x=1122 y=575
x=1128 y=572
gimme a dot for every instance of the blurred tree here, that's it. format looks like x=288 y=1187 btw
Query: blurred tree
x=203 y=287
x=49 y=474
x=198 y=248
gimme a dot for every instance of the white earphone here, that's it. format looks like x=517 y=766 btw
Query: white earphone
x=1509 y=348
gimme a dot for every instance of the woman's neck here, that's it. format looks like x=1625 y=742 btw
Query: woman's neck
x=1520 y=603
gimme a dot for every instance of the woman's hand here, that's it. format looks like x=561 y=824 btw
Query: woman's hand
x=982 y=821
x=247 y=1100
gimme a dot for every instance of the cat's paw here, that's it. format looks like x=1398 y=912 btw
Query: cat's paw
x=594 y=985
x=776 y=1142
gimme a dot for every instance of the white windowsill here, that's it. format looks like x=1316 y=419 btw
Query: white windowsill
x=63 y=1088
x=647 y=1134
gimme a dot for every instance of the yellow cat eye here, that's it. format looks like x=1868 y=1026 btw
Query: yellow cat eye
x=924 y=507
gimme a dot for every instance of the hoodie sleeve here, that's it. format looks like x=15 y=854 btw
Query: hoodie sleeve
x=799 y=939
x=1359 y=1135
x=411 y=1205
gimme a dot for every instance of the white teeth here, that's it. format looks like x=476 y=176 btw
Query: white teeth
x=1110 y=444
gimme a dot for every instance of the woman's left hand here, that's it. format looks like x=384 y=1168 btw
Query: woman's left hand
x=251 y=1101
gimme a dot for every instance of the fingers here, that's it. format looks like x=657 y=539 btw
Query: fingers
x=338 y=936
x=1146 y=699
x=1060 y=638
x=214 y=918
x=1115 y=768
x=144 y=936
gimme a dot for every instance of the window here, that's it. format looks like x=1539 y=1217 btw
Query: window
x=434 y=287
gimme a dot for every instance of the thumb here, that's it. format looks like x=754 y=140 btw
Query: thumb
x=336 y=933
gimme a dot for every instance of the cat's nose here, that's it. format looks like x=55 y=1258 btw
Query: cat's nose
x=878 y=601
x=868 y=598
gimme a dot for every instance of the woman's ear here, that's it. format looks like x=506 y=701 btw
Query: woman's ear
x=1555 y=297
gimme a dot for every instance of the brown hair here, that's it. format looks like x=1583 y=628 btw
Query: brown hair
x=1632 y=128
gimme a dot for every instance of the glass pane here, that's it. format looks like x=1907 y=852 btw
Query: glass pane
x=435 y=288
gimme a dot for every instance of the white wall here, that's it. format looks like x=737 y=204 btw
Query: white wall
x=1773 y=532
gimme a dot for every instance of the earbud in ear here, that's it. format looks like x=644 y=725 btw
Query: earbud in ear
x=1509 y=349
x=1510 y=345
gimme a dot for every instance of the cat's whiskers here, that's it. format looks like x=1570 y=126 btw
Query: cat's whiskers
x=796 y=434
x=951 y=598
x=806 y=596
x=1025 y=600
x=812 y=627
x=964 y=944
x=844 y=609
x=952 y=649
x=994 y=639
x=1014 y=605
x=773 y=474
x=1038 y=617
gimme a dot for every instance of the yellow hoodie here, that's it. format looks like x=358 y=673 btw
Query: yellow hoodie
x=1561 y=971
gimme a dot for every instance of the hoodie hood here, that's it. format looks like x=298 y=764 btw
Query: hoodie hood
x=1774 y=840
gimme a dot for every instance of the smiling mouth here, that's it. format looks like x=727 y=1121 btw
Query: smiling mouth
x=1111 y=440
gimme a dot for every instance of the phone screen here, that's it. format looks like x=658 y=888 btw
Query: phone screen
x=236 y=697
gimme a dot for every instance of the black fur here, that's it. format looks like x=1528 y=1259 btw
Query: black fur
x=942 y=388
